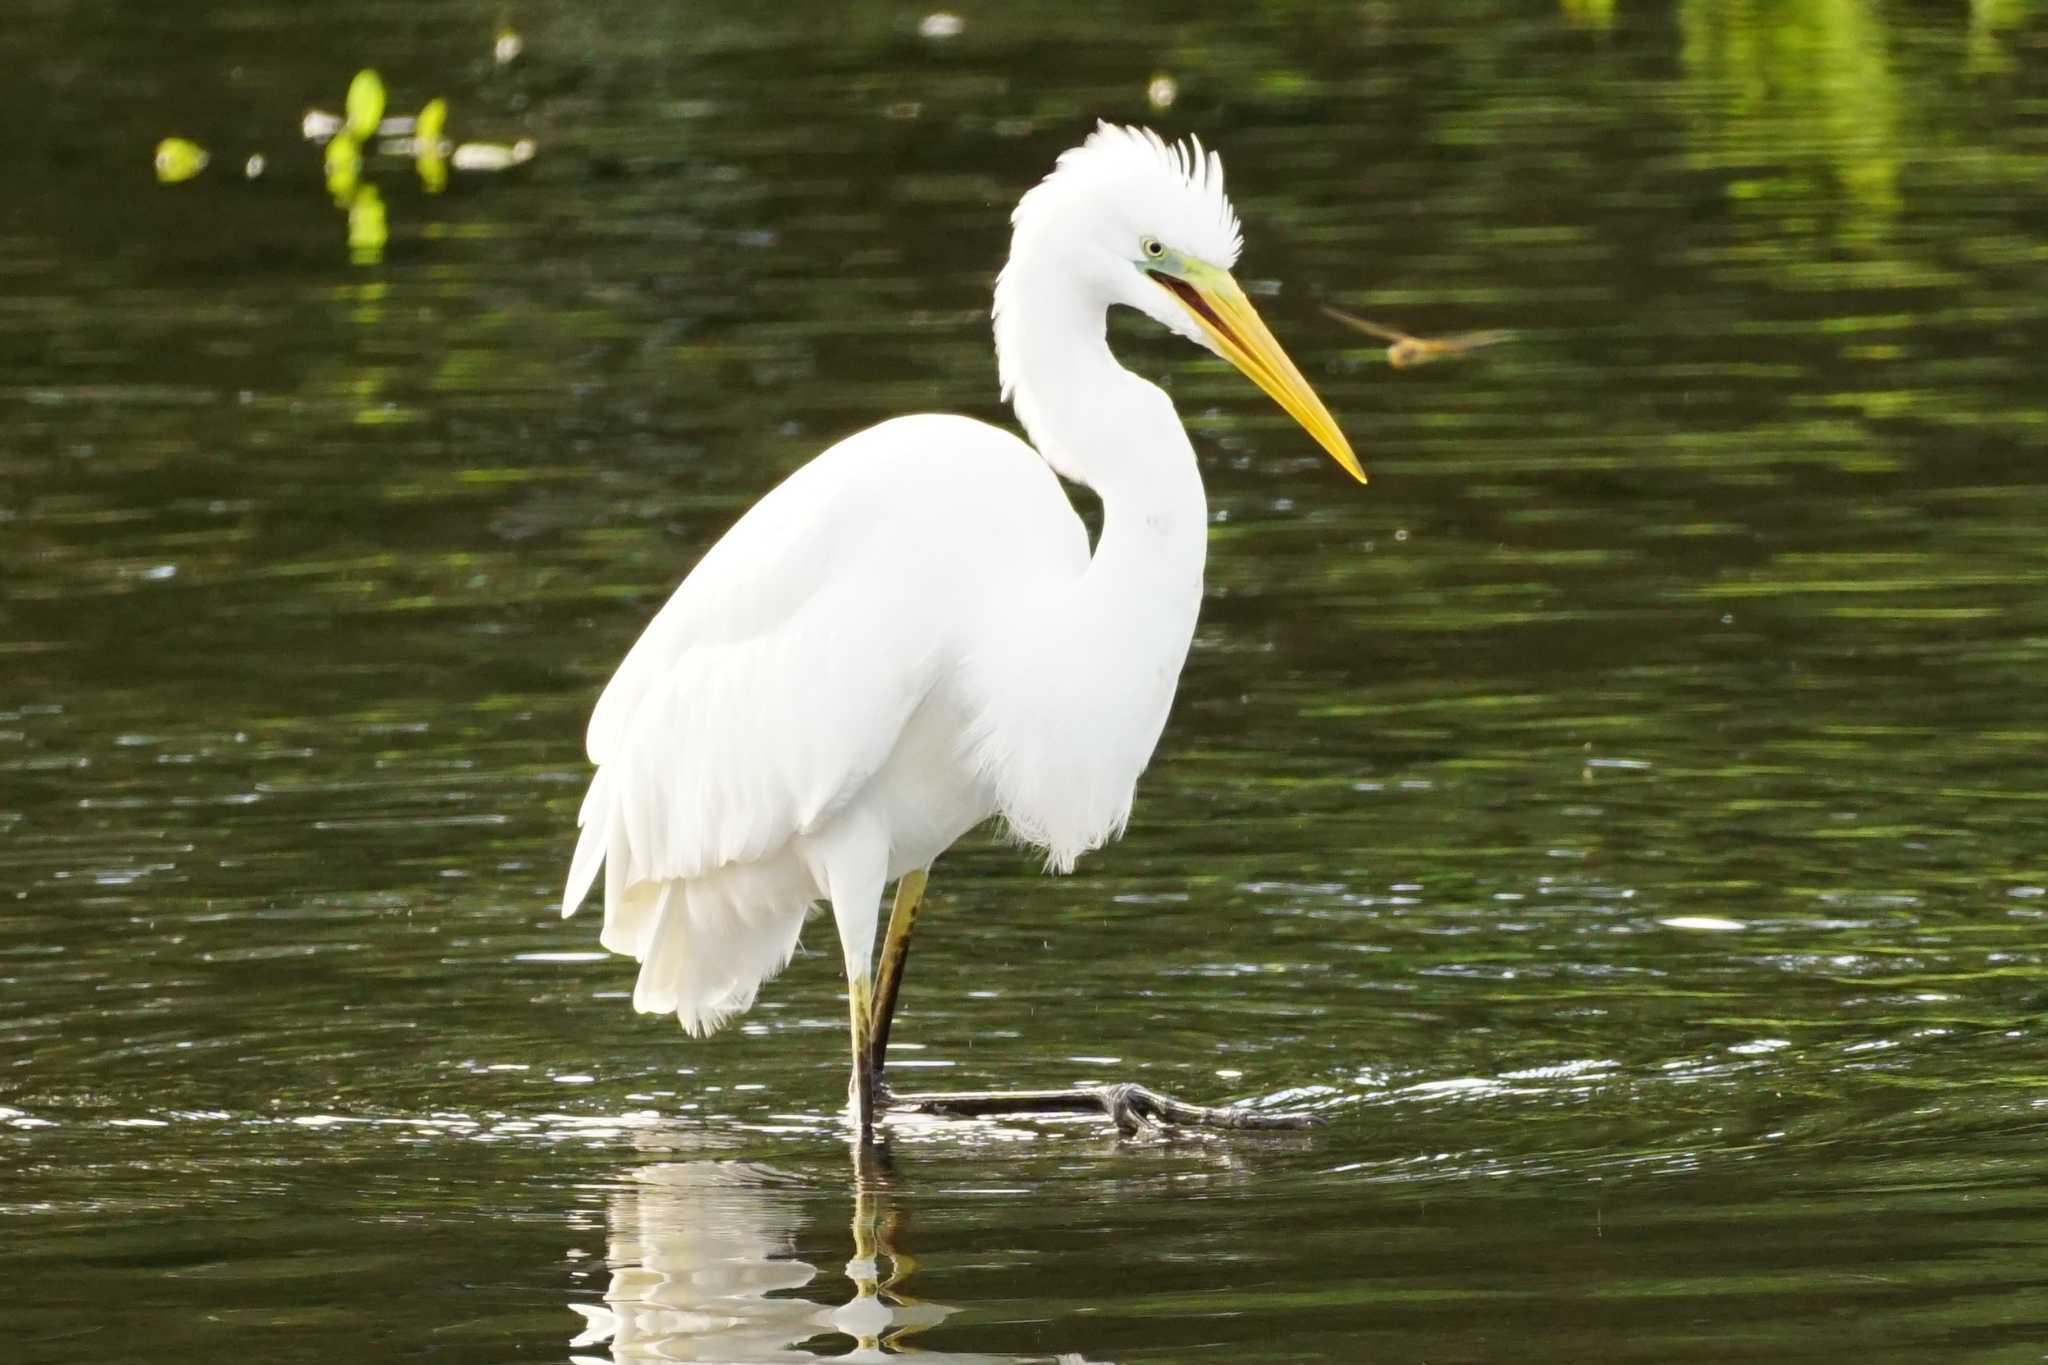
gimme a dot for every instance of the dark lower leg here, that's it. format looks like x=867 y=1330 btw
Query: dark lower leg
x=860 y=1009
x=895 y=954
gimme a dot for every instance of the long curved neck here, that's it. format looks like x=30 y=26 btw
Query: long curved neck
x=1087 y=667
x=1098 y=424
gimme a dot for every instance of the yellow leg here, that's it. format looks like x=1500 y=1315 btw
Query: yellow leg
x=895 y=952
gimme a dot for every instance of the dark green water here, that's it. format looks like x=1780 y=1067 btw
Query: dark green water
x=1624 y=821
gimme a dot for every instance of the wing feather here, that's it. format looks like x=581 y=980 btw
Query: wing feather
x=777 y=680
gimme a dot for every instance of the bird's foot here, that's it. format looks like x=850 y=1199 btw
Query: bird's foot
x=1131 y=1107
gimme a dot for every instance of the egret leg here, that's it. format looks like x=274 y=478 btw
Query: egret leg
x=895 y=953
x=860 y=1004
x=1130 y=1107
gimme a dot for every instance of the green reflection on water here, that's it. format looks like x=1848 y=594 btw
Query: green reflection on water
x=1798 y=85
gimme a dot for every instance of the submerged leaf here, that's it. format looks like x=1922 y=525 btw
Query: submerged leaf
x=344 y=167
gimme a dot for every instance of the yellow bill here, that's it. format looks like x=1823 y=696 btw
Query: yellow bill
x=1227 y=317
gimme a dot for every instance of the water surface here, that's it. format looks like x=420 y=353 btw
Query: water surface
x=1622 y=821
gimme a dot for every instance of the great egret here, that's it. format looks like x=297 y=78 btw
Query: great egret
x=910 y=634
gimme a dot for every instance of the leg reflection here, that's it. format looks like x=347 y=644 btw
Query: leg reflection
x=882 y=1315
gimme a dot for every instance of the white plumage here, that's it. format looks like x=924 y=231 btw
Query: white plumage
x=910 y=634
x=795 y=719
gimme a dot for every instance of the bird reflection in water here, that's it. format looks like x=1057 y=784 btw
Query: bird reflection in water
x=703 y=1269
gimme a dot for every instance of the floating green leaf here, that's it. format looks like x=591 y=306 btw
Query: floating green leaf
x=179 y=159
x=433 y=169
x=365 y=104
x=431 y=124
x=344 y=166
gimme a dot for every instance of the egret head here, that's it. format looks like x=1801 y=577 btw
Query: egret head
x=1145 y=223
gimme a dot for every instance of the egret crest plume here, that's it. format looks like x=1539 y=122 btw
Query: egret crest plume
x=1118 y=186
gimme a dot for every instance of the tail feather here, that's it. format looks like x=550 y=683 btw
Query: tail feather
x=705 y=944
x=704 y=958
x=658 y=989
x=633 y=918
x=595 y=821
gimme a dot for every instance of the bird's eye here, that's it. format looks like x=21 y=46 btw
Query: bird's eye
x=1151 y=247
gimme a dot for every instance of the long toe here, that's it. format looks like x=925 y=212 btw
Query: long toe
x=1121 y=1103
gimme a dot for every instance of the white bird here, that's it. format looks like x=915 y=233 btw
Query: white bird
x=910 y=635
